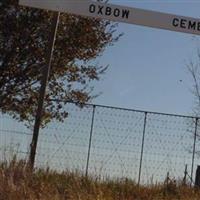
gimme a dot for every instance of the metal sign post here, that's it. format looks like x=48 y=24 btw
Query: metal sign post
x=45 y=75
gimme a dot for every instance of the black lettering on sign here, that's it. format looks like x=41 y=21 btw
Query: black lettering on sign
x=116 y=12
x=125 y=14
x=183 y=23
x=108 y=11
x=175 y=22
x=198 y=26
x=92 y=8
x=100 y=10
x=191 y=25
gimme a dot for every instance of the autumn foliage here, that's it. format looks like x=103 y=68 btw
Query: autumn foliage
x=24 y=36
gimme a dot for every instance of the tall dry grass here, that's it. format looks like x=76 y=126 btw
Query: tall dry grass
x=17 y=183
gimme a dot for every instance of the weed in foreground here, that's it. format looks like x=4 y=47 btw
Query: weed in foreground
x=18 y=183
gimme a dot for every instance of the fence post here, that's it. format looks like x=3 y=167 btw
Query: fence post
x=142 y=148
x=194 y=149
x=90 y=141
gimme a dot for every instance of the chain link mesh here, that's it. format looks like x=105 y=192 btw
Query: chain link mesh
x=110 y=142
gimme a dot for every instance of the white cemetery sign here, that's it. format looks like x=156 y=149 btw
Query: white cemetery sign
x=120 y=14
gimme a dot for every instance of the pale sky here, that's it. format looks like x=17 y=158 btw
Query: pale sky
x=148 y=66
x=147 y=72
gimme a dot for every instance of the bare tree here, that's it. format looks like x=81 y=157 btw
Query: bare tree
x=194 y=70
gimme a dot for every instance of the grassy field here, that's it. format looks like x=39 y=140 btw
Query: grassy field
x=16 y=183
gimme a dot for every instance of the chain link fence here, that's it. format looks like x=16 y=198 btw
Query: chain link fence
x=110 y=142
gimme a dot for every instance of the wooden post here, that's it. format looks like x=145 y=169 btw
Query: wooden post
x=185 y=175
x=197 y=178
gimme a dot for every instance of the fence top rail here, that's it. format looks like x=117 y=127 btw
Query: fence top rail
x=128 y=109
